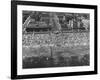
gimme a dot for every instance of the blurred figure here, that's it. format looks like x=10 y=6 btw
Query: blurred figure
x=86 y=24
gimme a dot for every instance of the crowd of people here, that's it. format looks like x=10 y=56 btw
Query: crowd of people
x=64 y=39
x=71 y=23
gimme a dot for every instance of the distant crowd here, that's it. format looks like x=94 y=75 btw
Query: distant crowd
x=67 y=40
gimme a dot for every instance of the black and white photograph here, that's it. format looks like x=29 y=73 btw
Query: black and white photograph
x=53 y=40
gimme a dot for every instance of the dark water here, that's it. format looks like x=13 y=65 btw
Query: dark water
x=44 y=62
